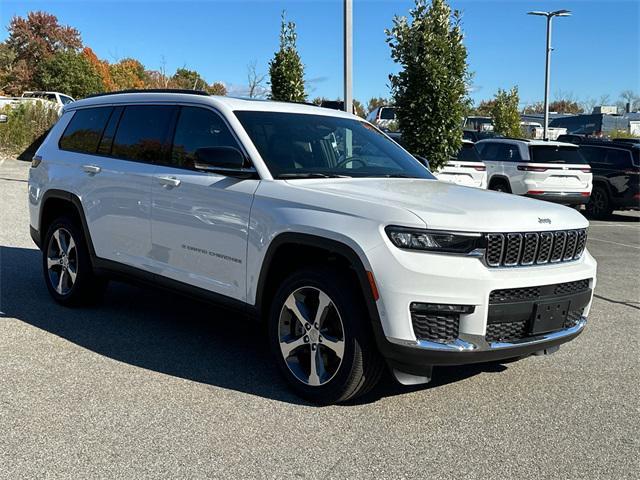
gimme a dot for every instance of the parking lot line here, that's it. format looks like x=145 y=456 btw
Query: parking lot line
x=614 y=243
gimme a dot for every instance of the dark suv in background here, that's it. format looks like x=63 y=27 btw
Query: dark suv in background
x=616 y=176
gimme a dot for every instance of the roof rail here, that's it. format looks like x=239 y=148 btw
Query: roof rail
x=520 y=139
x=151 y=90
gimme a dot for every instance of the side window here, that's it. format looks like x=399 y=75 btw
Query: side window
x=107 y=137
x=85 y=129
x=593 y=155
x=491 y=151
x=510 y=153
x=198 y=128
x=143 y=133
x=618 y=158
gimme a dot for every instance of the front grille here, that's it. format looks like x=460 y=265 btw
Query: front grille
x=509 y=295
x=522 y=249
x=435 y=327
x=505 y=332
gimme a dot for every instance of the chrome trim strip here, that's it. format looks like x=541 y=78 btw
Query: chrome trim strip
x=479 y=345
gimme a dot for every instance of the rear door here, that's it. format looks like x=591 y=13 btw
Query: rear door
x=115 y=171
x=616 y=167
x=200 y=220
x=557 y=168
x=491 y=155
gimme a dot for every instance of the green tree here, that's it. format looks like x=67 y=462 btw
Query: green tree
x=429 y=91
x=70 y=72
x=506 y=118
x=33 y=40
x=216 y=88
x=375 y=102
x=187 y=80
x=358 y=108
x=286 y=71
x=485 y=108
x=564 y=106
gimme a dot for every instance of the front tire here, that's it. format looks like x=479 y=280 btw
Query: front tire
x=321 y=338
x=66 y=265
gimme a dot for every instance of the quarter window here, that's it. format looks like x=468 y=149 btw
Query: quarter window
x=85 y=129
x=143 y=133
x=198 y=128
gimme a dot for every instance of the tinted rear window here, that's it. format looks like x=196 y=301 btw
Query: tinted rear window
x=388 y=114
x=143 y=132
x=468 y=153
x=555 y=154
x=85 y=129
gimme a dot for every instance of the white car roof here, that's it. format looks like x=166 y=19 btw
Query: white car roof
x=527 y=142
x=220 y=102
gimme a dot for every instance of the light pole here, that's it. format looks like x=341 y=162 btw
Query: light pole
x=348 y=55
x=549 y=16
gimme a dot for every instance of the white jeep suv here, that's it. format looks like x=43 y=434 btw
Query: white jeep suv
x=552 y=171
x=313 y=221
x=465 y=169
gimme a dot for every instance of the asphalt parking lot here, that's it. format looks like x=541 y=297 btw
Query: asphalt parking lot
x=149 y=385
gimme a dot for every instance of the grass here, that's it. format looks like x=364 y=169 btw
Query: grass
x=26 y=123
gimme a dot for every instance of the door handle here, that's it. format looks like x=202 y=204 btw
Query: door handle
x=169 y=181
x=91 y=169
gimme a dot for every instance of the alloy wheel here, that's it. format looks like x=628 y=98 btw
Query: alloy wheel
x=62 y=261
x=311 y=336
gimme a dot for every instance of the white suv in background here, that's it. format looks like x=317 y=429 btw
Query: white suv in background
x=552 y=171
x=312 y=221
x=466 y=169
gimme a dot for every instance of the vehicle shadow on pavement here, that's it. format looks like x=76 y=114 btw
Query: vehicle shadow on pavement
x=170 y=334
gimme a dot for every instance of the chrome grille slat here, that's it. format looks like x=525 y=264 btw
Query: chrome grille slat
x=534 y=248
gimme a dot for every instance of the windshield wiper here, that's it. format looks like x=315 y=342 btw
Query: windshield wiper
x=396 y=175
x=311 y=175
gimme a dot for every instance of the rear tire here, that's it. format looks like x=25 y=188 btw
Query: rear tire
x=599 y=206
x=326 y=357
x=66 y=265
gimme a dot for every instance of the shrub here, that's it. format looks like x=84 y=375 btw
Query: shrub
x=27 y=123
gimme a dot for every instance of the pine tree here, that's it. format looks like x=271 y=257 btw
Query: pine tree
x=286 y=70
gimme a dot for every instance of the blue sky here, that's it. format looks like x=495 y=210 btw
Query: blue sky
x=597 y=50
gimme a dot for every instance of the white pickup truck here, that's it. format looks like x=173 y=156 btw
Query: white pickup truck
x=55 y=100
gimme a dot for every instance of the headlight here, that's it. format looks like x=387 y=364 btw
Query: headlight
x=434 y=240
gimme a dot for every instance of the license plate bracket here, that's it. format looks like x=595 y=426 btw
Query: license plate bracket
x=549 y=316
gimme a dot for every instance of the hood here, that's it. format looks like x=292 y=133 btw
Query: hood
x=452 y=207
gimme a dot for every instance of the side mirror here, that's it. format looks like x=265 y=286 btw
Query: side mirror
x=423 y=161
x=227 y=161
x=4 y=118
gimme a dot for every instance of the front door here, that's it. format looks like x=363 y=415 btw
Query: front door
x=200 y=220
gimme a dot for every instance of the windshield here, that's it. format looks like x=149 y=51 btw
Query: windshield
x=555 y=154
x=295 y=145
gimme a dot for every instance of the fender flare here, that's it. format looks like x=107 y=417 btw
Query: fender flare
x=333 y=246
x=75 y=201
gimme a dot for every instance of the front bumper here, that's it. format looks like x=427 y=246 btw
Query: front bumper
x=563 y=198
x=418 y=356
x=451 y=279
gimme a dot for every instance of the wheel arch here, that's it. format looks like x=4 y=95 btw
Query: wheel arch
x=57 y=202
x=499 y=178
x=298 y=249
